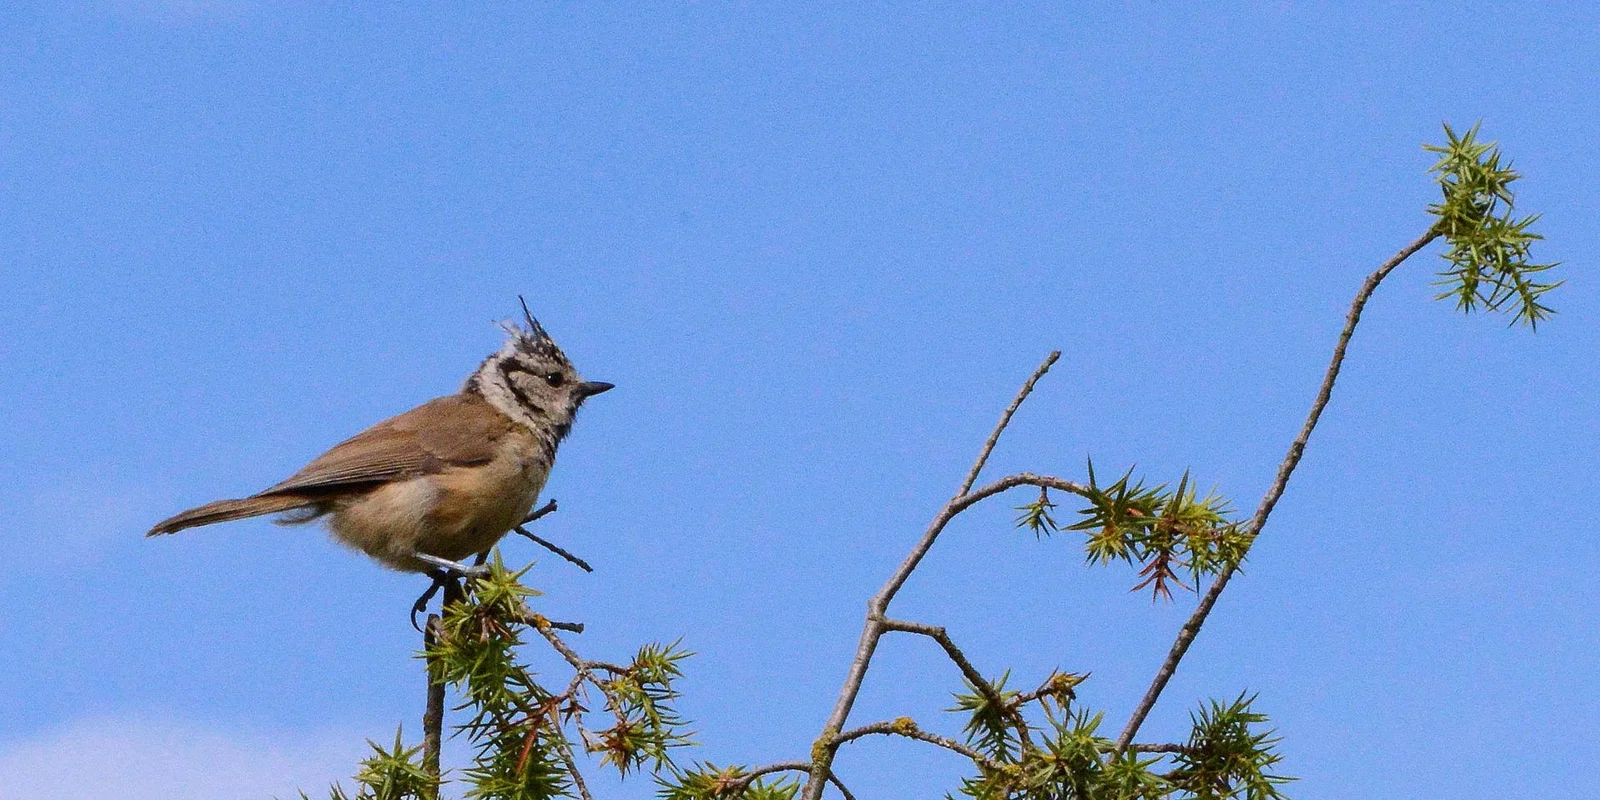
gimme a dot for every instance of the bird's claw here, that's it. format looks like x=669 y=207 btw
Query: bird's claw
x=443 y=573
x=440 y=577
x=455 y=568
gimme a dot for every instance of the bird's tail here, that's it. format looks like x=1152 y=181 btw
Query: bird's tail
x=227 y=510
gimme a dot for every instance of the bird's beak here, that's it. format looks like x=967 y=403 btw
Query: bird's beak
x=591 y=388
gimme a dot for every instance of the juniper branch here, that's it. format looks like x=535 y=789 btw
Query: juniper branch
x=433 y=712
x=979 y=683
x=1285 y=469
x=751 y=776
x=564 y=748
x=877 y=607
x=905 y=726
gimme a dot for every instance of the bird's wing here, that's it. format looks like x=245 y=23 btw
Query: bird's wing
x=458 y=430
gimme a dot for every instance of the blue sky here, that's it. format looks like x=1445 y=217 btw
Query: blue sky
x=817 y=247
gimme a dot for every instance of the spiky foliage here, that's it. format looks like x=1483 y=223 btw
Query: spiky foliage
x=993 y=721
x=640 y=699
x=1065 y=758
x=710 y=782
x=514 y=720
x=1227 y=757
x=1490 y=264
x=394 y=773
x=523 y=731
x=1169 y=533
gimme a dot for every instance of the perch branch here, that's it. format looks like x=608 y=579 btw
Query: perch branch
x=433 y=712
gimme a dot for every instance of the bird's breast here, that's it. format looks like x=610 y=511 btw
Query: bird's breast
x=478 y=504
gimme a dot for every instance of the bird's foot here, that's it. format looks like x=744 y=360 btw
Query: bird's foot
x=446 y=572
x=454 y=568
x=440 y=578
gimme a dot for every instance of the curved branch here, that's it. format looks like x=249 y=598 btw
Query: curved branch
x=872 y=630
x=979 y=683
x=1005 y=419
x=748 y=778
x=1010 y=482
x=1285 y=469
x=904 y=726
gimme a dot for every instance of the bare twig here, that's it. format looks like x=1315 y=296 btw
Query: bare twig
x=1285 y=469
x=1158 y=748
x=908 y=728
x=838 y=784
x=750 y=777
x=546 y=629
x=1052 y=686
x=569 y=627
x=565 y=749
x=547 y=508
x=1005 y=419
x=979 y=683
x=1010 y=482
x=554 y=548
x=744 y=781
x=877 y=608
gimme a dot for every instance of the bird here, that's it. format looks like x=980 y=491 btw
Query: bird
x=429 y=488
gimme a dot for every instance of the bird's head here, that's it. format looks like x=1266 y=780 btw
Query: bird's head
x=531 y=381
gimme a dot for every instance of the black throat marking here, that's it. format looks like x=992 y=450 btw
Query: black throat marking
x=509 y=366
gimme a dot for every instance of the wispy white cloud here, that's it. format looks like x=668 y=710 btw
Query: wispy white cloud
x=141 y=759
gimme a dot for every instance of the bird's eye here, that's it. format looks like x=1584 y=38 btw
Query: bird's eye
x=555 y=379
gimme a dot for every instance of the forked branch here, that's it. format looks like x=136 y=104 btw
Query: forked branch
x=877 y=609
x=976 y=679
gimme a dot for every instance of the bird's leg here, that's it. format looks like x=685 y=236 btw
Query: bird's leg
x=445 y=573
x=453 y=567
x=440 y=578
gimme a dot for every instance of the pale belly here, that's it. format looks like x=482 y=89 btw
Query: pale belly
x=454 y=514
